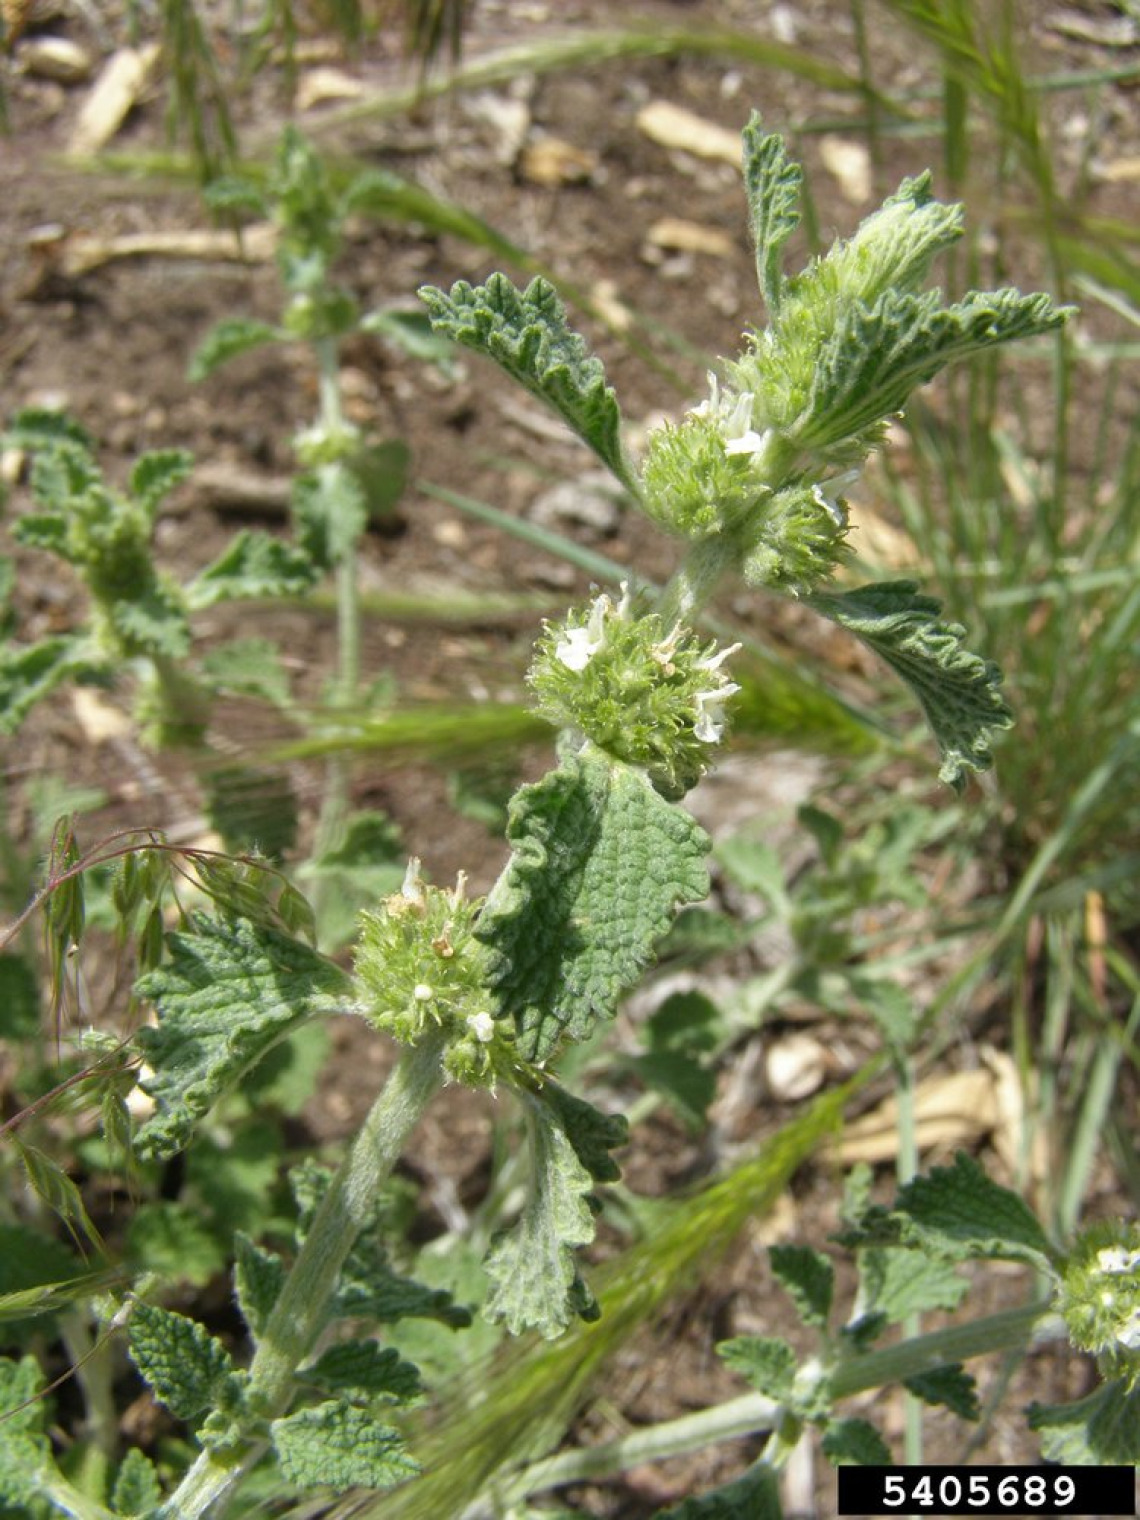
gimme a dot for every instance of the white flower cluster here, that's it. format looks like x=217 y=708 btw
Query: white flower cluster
x=733 y=415
x=1116 y=1262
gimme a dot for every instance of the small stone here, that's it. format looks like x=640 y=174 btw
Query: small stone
x=56 y=58
x=795 y=1067
x=552 y=162
x=672 y=126
x=318 y=86
x=588 y=506
x=675 y=233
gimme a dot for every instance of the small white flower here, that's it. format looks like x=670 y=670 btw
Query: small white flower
x=1115 y=1259
x=578 y=646
x=1128 y=1334
x=422 y=992
x=828 y=493
x=709 y=726
x=413 y=889
x=715 y=661
x=733 y=415
x=482 y=1026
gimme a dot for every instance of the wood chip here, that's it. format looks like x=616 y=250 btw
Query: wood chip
x=81 y=253
x=675 y=233
x=849 y=163
x=955 y=1110
x=551 y=162
x=673 y=127
x=97 y=718
x=1112 y=32
x=121 y=82
x=1119 y=171
x=55 y=58
x=318 y=86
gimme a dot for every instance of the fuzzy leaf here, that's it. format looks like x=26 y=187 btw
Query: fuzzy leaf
x=29 y=674
x=958 y=1211
x=136 y=1490
x=331 y=511
x=362 y=1369
x=535 y=1280
x=755 y=1496
x=189 y=1371
x=254 y=565
x=248 y=668
x=875 y=356
x=899 y=1283
x=338 y=1446
x=808 y=1277
x=230 y=992
x=156 y=474
x=600 y=864
x=231 y=337
x=172 y=1240
x=526 y=333
x=951 y=1385
x=959 y=691
x=24 y=1449
x=772 y=183
x=1104 y=1427
x=854 y=1441
x=259 y=1276
x=372 y=1290
x=767 y=1362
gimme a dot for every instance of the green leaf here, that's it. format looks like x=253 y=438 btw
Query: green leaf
x=248 y=668
x=381 y=470
x=362 y=1369
x=189 y=1371
x=172 y=1240
x=34 y=1268
x=600 y=865
x=36 y=428
x=230 y=992
x=854 y=1441
x=681 y=1034
x=957 y=1210
x=367 y=862
x=231 y=337
x=137 y=1490
x=951 y=1385
x=19 y=1004
x=755 y=1496
x=372 y=1290
x=156 y=474
x=254 y=565
x=338 y=1446
x=875 y=356
x=259 y=1276
x=534 y=1276
x=29 y=674
x=767 y=1362
x=959 y=691
x=1104 y=1427
x=253 y=809
x=688 y=1087
x=808 y=1277
x=24 y=1450
x=899 y=1283
x=58 y=1191
x=526 y=333
x=772 y=183
x=331 y=511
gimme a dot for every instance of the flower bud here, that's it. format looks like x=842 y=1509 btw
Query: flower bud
x=1100 y=1297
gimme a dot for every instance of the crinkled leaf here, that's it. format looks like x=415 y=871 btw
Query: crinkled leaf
x=534 y=1276
x=259 y=1276
x=362 y=1369
x=188 y=1369
x=231 y=337
x=877 y=355
x=808 y=1277
x=137 y=1490
x=600 y=865
x=951 y=1385
x=152 y=622
x=37 y=427
x=19 y=1005
x=755 y=1496
x=1102 y=1428
x=959 y=691
x=254 y=565
x=29 y=674
x=248 y=668
x=592 y=1134
x=44 y=530
x=338 y=1446
x=373 y=1291
x=24 y=1449
x=684 y=1030
x=767 y=1362
x=894 y=247
x=772 y=183
x=230 y=992
x=958 y=1211
x=893 y=1009
x=899 y=1283
x=156 y=474
x=854 y=1441
x=526 y=333
x=381 y=470
x=174 y=1241
x=331 y=511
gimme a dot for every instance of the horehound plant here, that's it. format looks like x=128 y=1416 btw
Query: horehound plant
x=489 y=993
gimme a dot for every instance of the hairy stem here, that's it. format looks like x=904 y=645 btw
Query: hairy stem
x=304 y=1304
